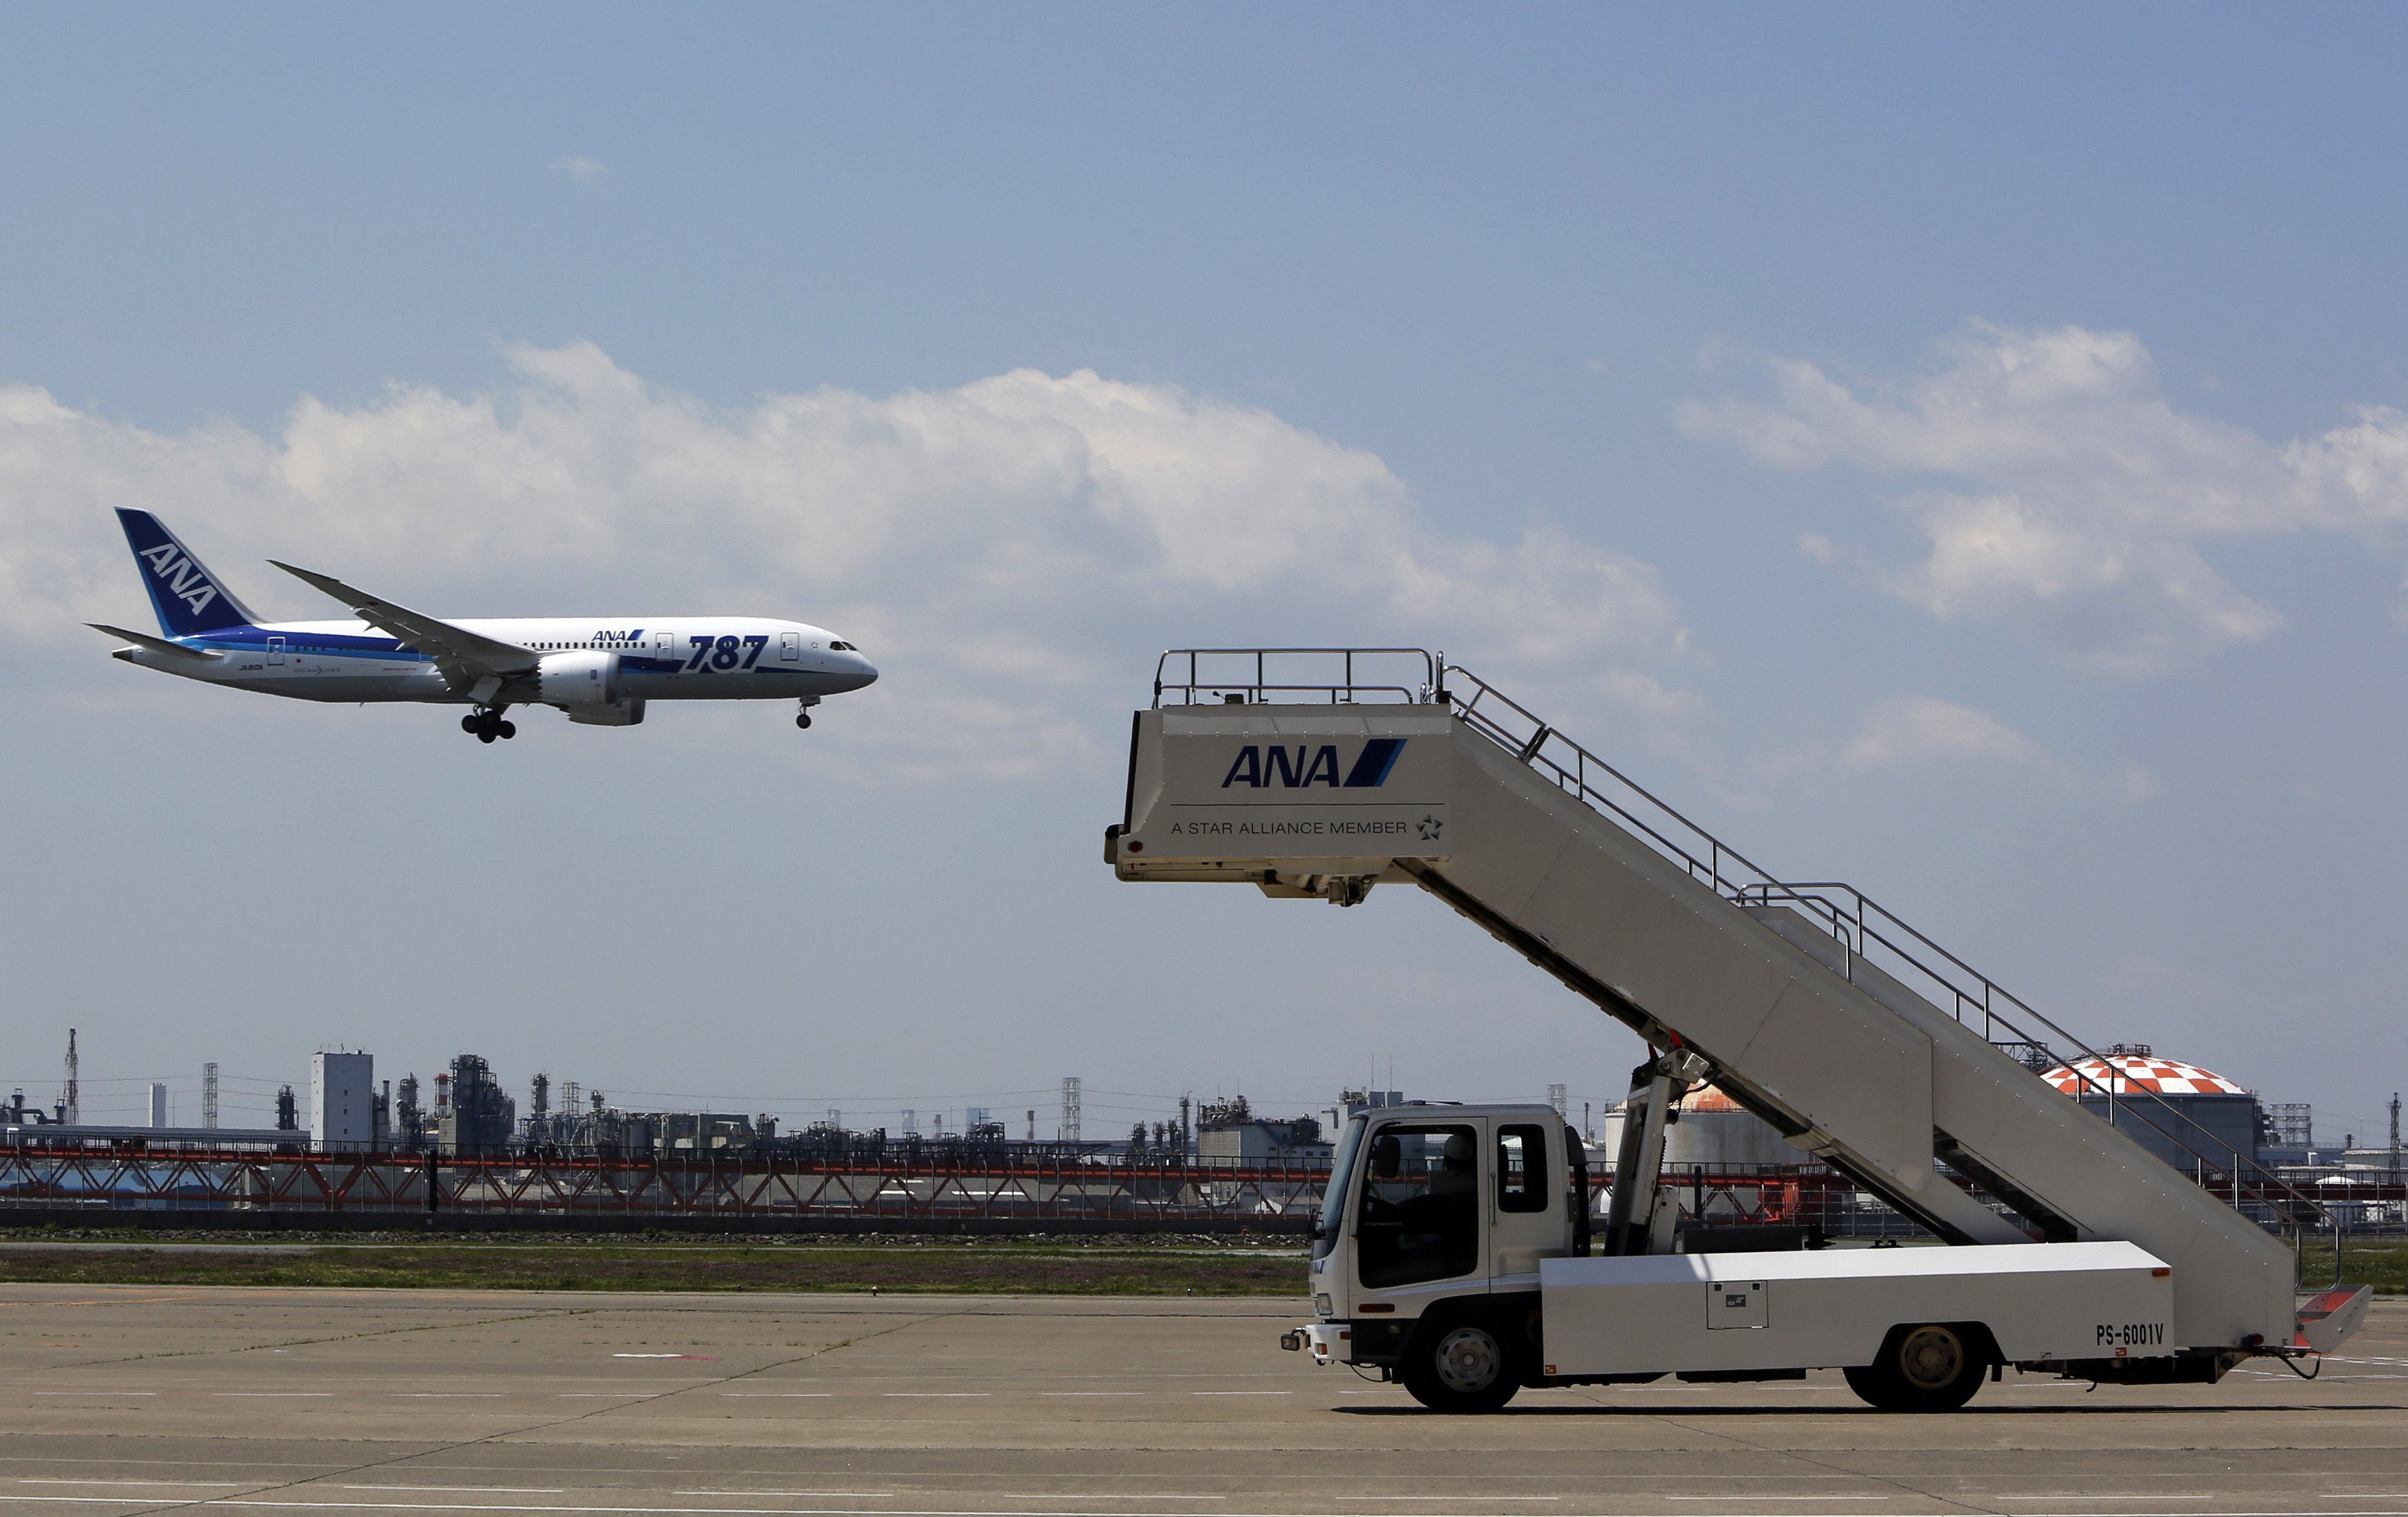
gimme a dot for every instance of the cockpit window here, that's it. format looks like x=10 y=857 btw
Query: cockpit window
x=842 y=647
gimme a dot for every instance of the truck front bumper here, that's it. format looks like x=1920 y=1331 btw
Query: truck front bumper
x=1328 y=1342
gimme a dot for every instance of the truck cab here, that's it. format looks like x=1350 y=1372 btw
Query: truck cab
x=1430 y=1239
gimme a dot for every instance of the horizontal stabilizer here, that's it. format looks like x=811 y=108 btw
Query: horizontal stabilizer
x=157 y=645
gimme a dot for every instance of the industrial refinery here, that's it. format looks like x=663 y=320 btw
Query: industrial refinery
x=462 y=1141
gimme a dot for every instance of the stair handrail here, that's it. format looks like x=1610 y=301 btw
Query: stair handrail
x=1345 y=685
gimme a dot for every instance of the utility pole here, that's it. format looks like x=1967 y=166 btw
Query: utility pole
x=210 y=1094
x=2395 y=1135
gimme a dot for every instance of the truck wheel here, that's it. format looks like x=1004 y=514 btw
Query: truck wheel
x=1933 y=1368
x=1468 y=1365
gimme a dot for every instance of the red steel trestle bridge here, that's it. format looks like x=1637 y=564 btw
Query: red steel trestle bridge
x=101 y=1183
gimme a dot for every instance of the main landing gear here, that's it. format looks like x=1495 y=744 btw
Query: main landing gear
x=487 y=726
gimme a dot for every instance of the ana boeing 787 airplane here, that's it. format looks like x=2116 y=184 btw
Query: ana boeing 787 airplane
x=600 y=670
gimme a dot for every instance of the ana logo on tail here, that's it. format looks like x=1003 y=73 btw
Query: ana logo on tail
x=185 y=579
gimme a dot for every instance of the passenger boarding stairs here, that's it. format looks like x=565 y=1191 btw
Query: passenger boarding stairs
x=1867 y=1045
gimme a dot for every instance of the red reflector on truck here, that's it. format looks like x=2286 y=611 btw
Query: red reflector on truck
x=2159 y=1274
x=1376 y=1305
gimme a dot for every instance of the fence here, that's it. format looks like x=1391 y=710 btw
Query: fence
x=1006 y=1193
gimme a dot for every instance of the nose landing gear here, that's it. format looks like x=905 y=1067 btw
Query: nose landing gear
x=487 y=726
x=803 y=711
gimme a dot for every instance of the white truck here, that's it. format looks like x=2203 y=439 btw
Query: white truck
x=1454 y=1252
x=1457 y=1251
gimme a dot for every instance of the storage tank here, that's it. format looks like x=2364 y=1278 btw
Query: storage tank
x=1712 y=1129
x=2118 y=1087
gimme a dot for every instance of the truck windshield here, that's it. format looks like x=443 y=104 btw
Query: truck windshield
x=1333 y=1204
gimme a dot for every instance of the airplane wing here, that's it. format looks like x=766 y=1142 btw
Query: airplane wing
x=464 y=657
x=157 y=645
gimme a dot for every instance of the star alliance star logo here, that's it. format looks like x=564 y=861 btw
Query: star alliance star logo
x=1430 y=827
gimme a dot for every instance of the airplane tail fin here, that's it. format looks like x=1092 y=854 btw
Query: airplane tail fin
x=187 y=597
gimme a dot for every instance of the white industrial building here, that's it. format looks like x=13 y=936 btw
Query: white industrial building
x=342 y=1101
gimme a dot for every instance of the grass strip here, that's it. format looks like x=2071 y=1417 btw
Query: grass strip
x=960 y=1271
x=2381 y=1262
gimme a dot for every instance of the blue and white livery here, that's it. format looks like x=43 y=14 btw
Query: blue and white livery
x=601 y=670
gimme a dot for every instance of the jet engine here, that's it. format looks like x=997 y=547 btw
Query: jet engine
x=578 y=678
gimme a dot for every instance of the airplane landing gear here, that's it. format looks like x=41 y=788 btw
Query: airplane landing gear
x=802 y=718
x=485 y=726
x=803 y=711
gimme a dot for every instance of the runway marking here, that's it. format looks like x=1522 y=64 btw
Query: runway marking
x=705 y=1358
x=789 y=1512
x=1241 y=1392
x=282 y=1395
x=785 y=1493
x=469 y=1490
x=787 y=1395
x=610 y=1396
x=1484 y=1496
x=818 y=1511
x=95 y=1480
x=95 y=1393
x=1744 y=1496
x=447 y=1396
x=929 y=1395
x=1090 y=1392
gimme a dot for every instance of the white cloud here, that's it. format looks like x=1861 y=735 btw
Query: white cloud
x=1908 y=730
x=1635 y=704
x=1011 y=551
x=587 y=171
x=2068 y=494
x=1646 y=694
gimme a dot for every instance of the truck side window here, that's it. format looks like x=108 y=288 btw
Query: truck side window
x=1577 y=1195
x=1522 y=1169
x=1420 y=1215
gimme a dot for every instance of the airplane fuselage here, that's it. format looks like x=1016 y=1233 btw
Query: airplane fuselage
x=657 y=658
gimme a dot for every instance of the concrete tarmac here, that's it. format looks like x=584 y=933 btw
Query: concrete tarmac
x=136 y=1399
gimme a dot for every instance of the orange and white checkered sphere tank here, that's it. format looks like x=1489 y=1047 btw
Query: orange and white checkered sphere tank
x=2127 y=1074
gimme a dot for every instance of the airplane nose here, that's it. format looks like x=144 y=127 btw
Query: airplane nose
x=864 y=673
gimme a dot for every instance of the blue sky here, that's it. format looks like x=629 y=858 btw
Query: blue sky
x=1945 y=450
